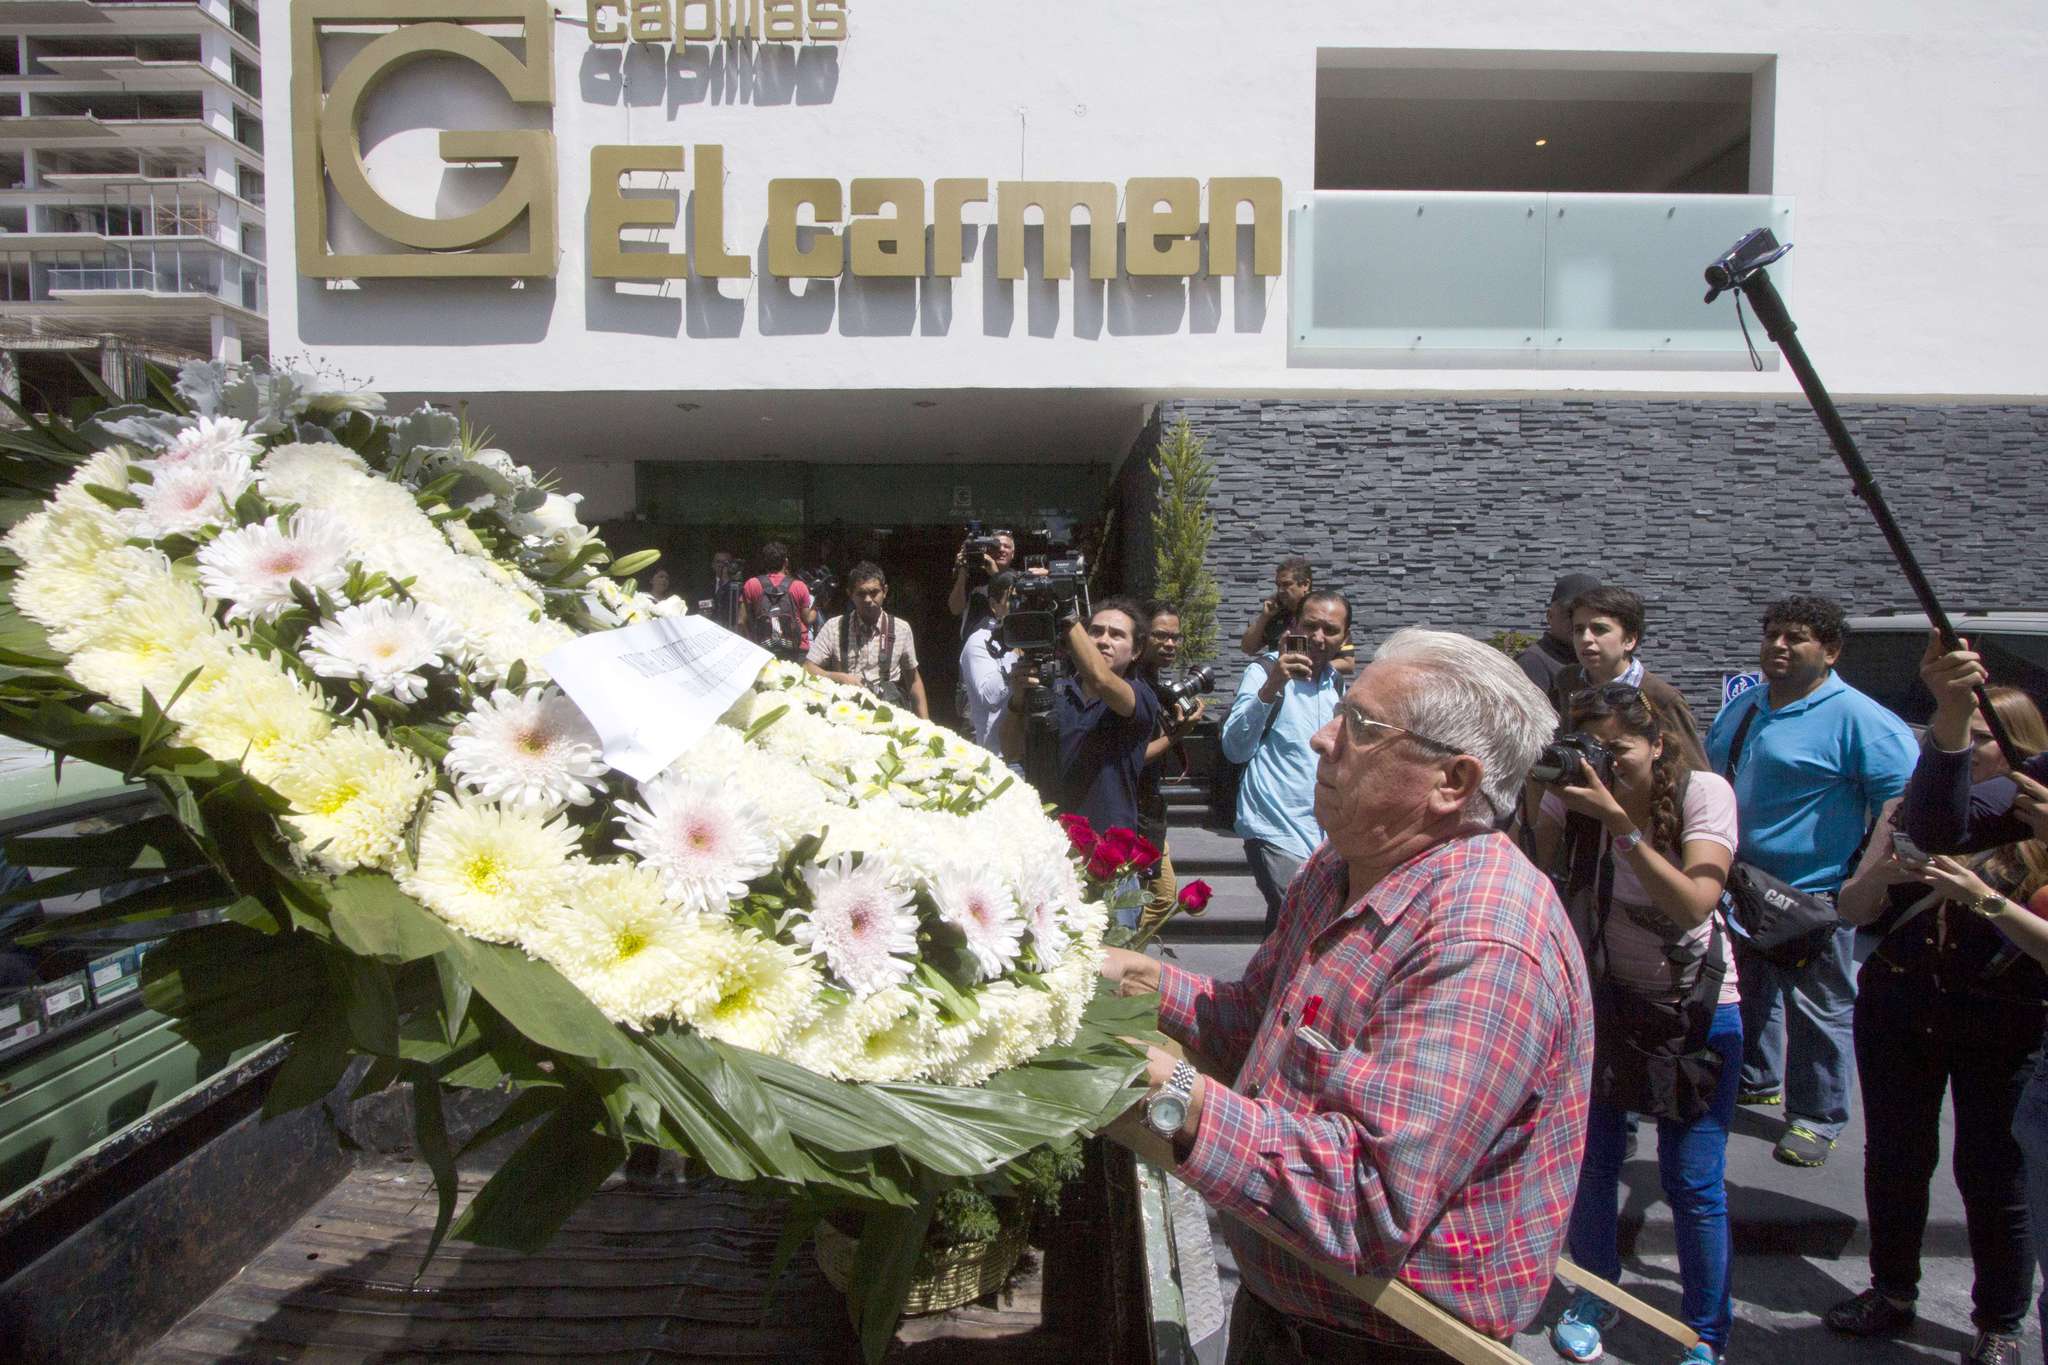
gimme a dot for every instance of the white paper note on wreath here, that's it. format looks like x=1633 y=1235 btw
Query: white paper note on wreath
x=653 y=690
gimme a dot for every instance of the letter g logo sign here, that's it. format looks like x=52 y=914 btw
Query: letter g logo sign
x=326 y=143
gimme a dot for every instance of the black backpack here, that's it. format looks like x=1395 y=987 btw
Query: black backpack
x=775 y=622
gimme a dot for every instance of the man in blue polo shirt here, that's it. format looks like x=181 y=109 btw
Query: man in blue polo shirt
x=1283 y=699
x=1815 y=761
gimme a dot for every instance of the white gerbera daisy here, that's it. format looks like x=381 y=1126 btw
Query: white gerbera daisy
x=862 y=920
x=1042 y=905
x=215 y=438
x=622 y=941
x=764 y=993
x=187 y=498
x=976 y=902
x=352 y=796
x=531 y=749
x=491 y=871
x=254 y=714
x=385 y=643
x=705 y=840
x=252 y=568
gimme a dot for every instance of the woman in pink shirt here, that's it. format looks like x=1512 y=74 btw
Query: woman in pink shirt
x=1645 y=854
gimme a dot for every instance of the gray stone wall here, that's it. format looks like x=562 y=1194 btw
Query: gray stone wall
x=1460 y=514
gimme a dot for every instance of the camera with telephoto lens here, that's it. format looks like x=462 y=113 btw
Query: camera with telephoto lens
x=982 y=547
x=1178 y=697
x=1042 y=604
x=1566 y=760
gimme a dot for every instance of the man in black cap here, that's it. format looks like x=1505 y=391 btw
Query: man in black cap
x=1552 y=652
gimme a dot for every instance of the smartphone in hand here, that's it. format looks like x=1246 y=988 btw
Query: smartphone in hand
x=1906 y=851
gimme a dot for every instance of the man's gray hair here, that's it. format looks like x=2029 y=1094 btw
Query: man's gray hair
x=1476 y=700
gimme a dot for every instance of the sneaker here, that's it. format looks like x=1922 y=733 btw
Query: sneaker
x=1576 y=1335
x=1699 y=1353
x=1801 y=1146
x=1993 y=1348
x=1870 y=1314
x=1760 y=1097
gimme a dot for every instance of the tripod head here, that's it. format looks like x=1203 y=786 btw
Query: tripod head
x=1756 y=250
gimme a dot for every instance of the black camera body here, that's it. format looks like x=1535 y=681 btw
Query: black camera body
x=1565 y=761
x=982 y=547
x=1178 y=696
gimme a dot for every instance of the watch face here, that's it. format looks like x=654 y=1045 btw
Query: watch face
x=1166 y=1114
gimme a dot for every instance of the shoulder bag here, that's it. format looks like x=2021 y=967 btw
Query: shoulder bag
x=1785 y=926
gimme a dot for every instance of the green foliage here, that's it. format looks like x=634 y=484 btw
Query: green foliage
x=1182 y=527
x=1510 y=642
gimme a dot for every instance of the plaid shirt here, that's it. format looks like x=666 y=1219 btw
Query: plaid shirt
x=1440 y=1141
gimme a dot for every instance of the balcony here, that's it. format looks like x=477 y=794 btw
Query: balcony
x=1414 y=279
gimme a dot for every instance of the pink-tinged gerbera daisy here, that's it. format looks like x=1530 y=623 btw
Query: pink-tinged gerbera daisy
x=252 y=568
x=385 y=643
x=978 y=904
x=706 y=841
x=184 y=499
x=532 y=749
x=863 y=921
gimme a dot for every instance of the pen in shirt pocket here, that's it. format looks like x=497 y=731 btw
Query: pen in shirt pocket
x=1311 y=1010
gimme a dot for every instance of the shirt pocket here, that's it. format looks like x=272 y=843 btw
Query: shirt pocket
x=1306 y=1066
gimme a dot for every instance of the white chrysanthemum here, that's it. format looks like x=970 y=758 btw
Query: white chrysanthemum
x=311 y=473
x=252 y=568
x=461 y=539
x=1012 y=1024
x=985 y=912
x=862 y=921
x=187 y=498
x=886 y=1036
x=152 y=637
x=1074 y=983
x=622 y=941
x=706 y=843
x=324 y=395
x=214 y=439
x=352 y=797
x=385 y=643
x=531 y=749
x=74 y=569
x=254 y=714
x=1042 y=903
x=491 y=871
x=764 y=993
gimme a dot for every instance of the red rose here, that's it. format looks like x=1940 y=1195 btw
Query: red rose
x=1194 y=897
x=1105 y=862
x=1080 y=833
x=1144 y=854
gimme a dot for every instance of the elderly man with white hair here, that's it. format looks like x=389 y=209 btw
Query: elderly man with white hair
x=1401 y=1075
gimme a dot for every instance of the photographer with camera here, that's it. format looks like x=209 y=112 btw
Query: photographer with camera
x=867 y=647
x=775 y=608
x=1948 y=1005
x=981 y=558
x=1101 y=718
x=1812 y=761
x=1180 y=708
x=985 y=666
x=1284 y=698
x=1644 y=841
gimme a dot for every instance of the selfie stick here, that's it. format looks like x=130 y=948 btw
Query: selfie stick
x=1742 y=270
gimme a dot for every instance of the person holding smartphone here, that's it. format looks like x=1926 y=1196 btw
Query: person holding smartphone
x=1948 y=1003
x=1285 y=697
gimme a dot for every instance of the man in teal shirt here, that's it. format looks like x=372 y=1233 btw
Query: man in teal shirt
x=1817 y=760
x=1283 y=699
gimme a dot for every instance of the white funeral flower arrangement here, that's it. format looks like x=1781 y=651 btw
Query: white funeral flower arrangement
x=359 y=626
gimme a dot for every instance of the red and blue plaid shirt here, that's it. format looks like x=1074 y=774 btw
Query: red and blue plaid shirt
x=1439 y=1140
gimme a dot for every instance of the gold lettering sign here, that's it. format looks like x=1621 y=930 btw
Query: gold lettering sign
x=1058 y=199
x=326 y=142
x=710 y=21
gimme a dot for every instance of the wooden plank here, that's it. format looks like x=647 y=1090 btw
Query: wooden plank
x=1574 y=1274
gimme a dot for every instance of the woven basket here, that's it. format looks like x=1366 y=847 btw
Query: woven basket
x=962 y=1274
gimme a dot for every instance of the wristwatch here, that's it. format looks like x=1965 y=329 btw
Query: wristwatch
x=1990 y=905
x=1166 y=1109
x=1624 y=842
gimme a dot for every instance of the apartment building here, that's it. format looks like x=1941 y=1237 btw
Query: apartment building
x=131 y=189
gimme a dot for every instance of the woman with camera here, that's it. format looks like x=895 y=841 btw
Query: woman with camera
x=1949 y=1002
x=1644 y=841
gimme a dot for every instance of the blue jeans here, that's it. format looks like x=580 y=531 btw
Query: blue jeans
x=2030 y=1129
x=1273 y=869
x=1806 y=1049
x=1128 y=885
x=1691 y=1161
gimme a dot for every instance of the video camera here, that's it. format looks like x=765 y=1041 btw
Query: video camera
x=982 y=546
x=1565 y=761
x=1044 y=601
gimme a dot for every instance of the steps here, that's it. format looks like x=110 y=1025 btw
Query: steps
x=1237 y=914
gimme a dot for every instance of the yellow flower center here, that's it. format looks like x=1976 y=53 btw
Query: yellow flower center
x=337 y=797
x=628 y=942
x=533 y=741
x=481 y=872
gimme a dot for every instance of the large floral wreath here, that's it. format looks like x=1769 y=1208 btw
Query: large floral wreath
x=832 y=947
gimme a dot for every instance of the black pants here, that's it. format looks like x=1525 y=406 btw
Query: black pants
x=1262 y=1335
x=1913 y=1042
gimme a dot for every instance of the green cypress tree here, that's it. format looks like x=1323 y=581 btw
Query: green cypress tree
x=1181 y=529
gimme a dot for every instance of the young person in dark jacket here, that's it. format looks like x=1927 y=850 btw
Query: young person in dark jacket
x=1947 y=1004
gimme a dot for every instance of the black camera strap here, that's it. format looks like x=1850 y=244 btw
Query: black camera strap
x=1735 y=745
x=887 y=670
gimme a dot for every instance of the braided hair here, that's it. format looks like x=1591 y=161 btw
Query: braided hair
x=1638 y=716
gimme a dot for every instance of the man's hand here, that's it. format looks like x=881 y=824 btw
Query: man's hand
x=1132 y=974
x=1187 y=722
x=1282 y=667
x=2030 y=803
x=1952 y=676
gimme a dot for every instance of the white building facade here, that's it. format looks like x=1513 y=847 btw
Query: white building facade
x=777 y=238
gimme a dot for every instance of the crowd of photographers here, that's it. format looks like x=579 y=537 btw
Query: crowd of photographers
x=1803 y=888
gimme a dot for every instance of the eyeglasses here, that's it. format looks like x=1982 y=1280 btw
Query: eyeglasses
x=1363 y=729
x=1614 y=694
